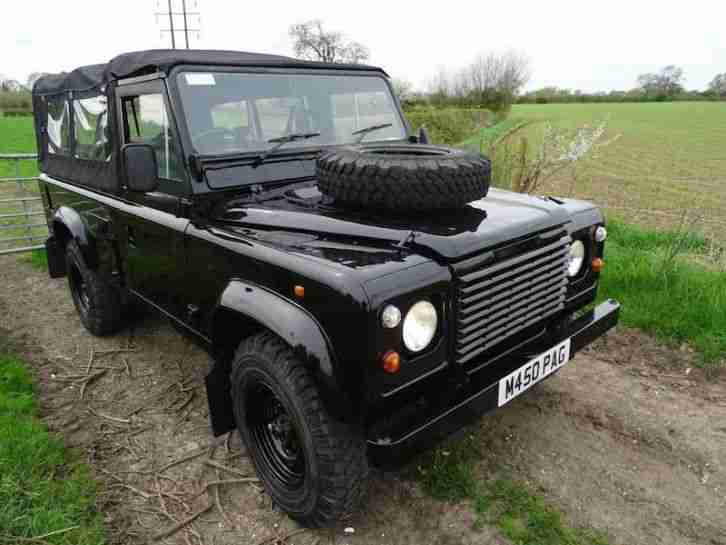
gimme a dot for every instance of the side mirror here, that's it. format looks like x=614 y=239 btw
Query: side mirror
x=139 y=161
x=423 y=136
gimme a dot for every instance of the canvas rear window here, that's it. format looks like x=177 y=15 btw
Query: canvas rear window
x=92 y=137
x=58 y=126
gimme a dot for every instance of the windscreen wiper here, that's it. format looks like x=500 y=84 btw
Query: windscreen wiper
x=362 y=133
x=281 y=141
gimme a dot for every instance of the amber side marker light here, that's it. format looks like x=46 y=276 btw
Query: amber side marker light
x=391 y=362
x=299 y=291
x=597 y=265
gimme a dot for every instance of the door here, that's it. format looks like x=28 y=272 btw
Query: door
x=152 y=235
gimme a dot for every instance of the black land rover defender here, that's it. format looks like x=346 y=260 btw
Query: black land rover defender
x=360 y=291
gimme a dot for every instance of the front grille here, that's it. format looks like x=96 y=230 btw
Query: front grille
x=504 y=292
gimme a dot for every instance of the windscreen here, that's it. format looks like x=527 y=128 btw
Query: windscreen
x=232 y=112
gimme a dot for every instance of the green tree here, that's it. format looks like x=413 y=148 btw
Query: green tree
x=718 y=85
x=664 y=84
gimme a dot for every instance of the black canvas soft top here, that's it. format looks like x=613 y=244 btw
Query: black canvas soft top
x=163 y=60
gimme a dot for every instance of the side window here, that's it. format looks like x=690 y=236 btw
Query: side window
x=146 y=121
x=59 y=126
x=90 y=124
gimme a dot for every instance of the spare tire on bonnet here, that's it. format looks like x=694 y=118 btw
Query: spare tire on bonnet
x=403 y=177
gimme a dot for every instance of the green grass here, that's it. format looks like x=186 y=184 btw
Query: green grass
x=17 y=136
x=41 y=492
x=37 y=259
x=526 y=519
x=684 y=302
x=669 y=156
x=488 y=136
x=449 y=473
x=448 y=125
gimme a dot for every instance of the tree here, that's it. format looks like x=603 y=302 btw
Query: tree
x=10 y=85
x=718 y=85
x=439 y=87
x=666 y=83
x=33 y=77
x=312 y=42
x=403 y=89
x=492 y=80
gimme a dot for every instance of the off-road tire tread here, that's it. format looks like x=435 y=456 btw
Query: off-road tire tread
x=404 y=183
x=341 y=454
x=105 y=316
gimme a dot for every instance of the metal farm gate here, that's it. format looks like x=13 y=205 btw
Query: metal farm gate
x=22 y=222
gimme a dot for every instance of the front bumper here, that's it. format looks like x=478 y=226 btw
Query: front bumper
x=432 y=419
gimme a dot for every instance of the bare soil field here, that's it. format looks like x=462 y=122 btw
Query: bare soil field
x=629 y=438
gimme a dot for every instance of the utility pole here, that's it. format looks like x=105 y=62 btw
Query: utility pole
x=185 y=15
x=186 y=29
x=171 y=27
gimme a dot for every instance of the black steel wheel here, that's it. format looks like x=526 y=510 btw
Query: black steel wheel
x=313 y=467
x=79 y=291
x=98 y=303
x=273 y=431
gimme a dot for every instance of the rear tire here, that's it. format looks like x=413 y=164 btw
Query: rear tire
x=313 y=467
x=98 y=303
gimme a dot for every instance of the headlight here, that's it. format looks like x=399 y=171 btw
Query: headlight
x=390 y=317
x=576 y=258
x=419 y=326
x=601 y=234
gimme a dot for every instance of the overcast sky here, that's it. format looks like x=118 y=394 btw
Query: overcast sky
x=572 y=44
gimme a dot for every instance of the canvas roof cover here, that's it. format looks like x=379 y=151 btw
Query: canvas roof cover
x=163 y=60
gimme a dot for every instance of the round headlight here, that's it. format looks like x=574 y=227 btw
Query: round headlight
x=601 y=234
x=419 y=326
x=576 y=258
x=390 y=317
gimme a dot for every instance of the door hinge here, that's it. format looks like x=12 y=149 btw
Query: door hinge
x=185 y=207
x=192 y=313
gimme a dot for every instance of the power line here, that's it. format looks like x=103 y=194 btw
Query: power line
x=185 y=16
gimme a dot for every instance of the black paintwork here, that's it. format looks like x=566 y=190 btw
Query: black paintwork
x=405 y=433
x=223 y=264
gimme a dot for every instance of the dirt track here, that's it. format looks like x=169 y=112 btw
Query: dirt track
x=623 y=440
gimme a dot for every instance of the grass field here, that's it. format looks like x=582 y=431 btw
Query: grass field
x=17 y=136
x=43 y=498
x=678 y=300
x=669 y=156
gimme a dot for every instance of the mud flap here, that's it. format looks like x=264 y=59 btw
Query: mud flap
x=56 y=258
x=219 y=398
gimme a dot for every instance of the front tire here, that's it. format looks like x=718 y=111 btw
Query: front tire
x=98 y=303
x=313 y=467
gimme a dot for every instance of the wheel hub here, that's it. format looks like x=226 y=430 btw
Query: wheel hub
x=276 y=440
x=283 y=436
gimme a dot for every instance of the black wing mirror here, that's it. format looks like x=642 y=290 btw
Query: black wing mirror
x=423 y=136
x=140 y=167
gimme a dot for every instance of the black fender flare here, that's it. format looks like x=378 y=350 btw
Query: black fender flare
x=69 y=219
x=292 y=323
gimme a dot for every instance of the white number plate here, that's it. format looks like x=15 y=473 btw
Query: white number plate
x=533 y=372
